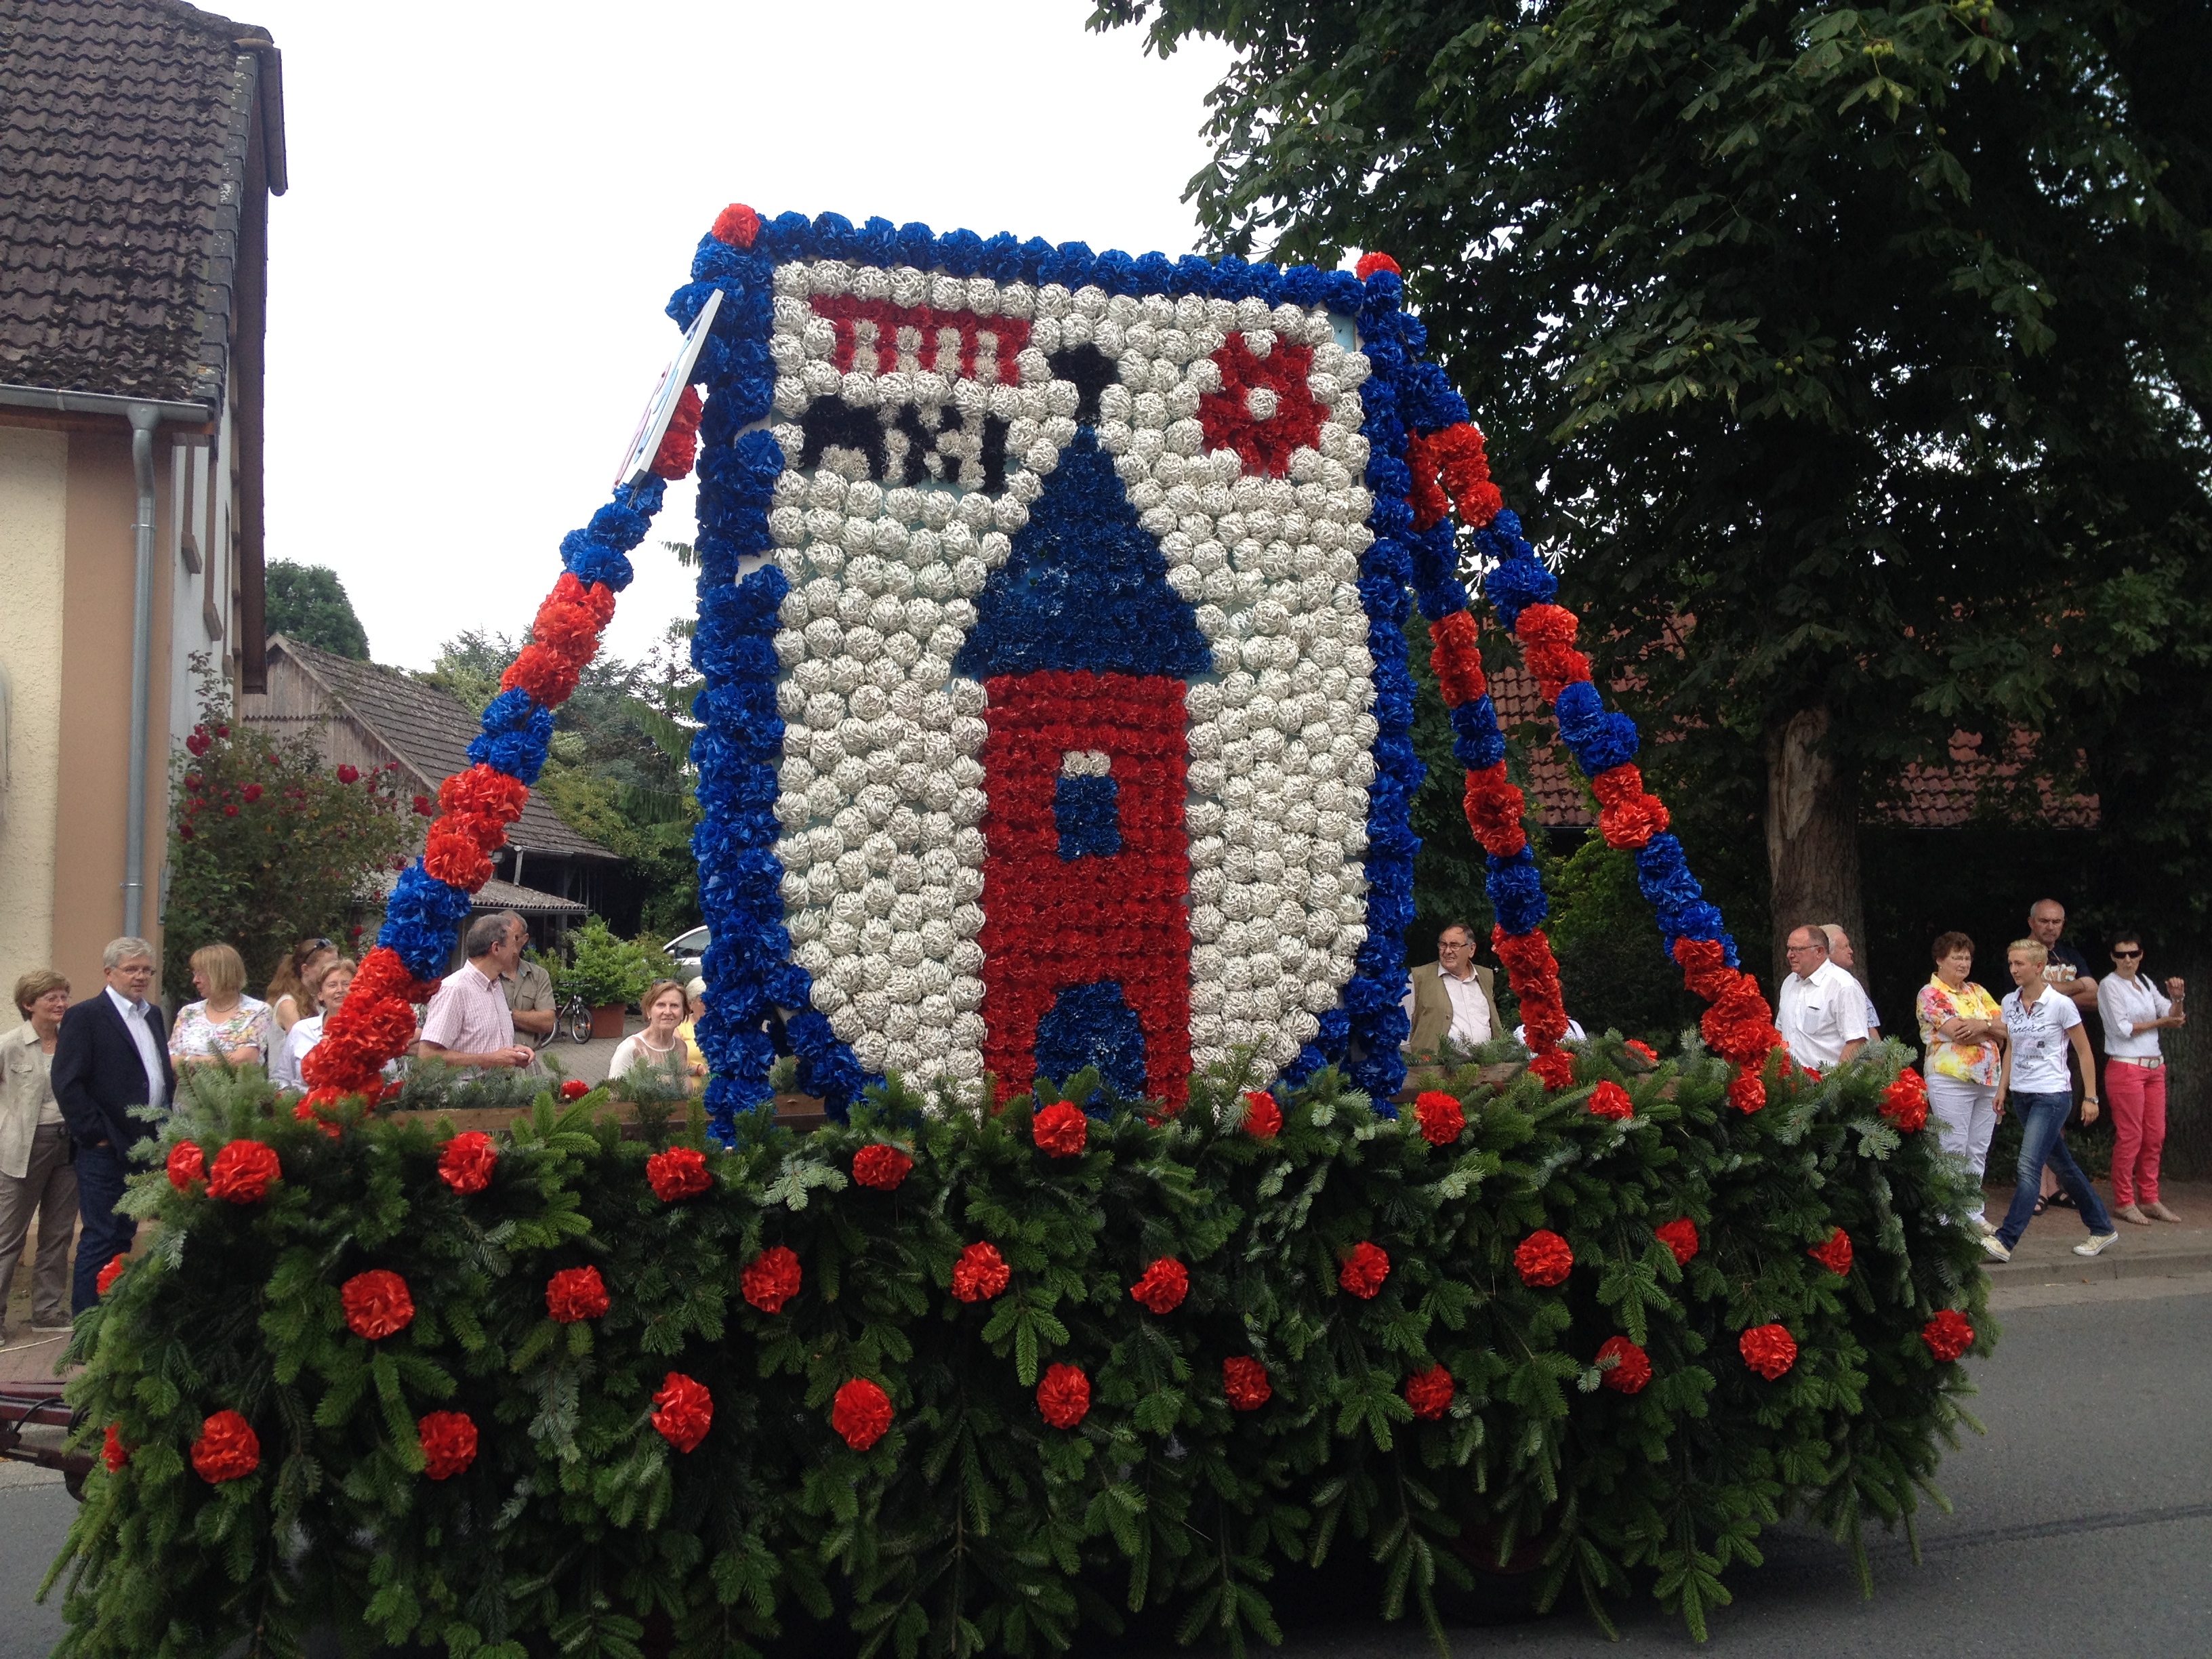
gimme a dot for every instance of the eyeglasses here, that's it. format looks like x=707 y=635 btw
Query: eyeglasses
x=314 y=945
x=2125 y=956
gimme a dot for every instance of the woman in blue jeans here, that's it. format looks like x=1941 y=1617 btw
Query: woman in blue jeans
x=2043 y=1023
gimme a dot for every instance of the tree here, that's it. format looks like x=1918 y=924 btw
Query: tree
x=268 y=846
x=1857 y=358
x=308 y=602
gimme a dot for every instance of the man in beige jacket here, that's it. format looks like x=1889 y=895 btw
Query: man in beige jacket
x=1451 y=997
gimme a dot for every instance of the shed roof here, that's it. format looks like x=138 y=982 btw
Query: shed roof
x=428 y=731
x=123 y=174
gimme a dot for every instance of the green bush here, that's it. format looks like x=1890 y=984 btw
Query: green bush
x=972 y=1525
x=603 y=968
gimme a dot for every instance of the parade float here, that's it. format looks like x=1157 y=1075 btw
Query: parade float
x=1054 y=612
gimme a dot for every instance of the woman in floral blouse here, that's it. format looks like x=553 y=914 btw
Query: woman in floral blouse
x=225 y=1024
x=1964 y=1034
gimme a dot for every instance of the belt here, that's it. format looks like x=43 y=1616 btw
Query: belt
x=2148 y=1062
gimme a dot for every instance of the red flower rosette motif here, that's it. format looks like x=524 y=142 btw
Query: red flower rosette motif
x=1610 y=1100
x=1770 y=1350
x=1430 y=1392
x=187 y=1164
x=465 y=1162
x=1364 y=1267
x=679 y=445
x=242 y=1172
x=113 y=1452
x=1546 y=632
x=227 y=1448
x=1543 y=1258
x=1060 y=1130
x=1948 y=1336
x=684 y=1411
x=1493 y=804
x=881 y=1167
x=771 y=1278
x=1557 y=1068
x=1456 y=658
x=1627 y=817
x=1450 y=467
x=1642 y=1051
x=110 y=1272
x=574 y=1088
x=376 y=1022
x=736 y=225
x=980 y=1274
x=1747 y=1093
x=575 y=1294
x=1904 y=1102
x=861 y=1413
x=449 y=1443
x=1631 y=1367
x=1244 y=1381
x=679 y=1172
x=377 y=1304
x=1163 y=1287
x=1064 y=1396
x=1836 y=1254
x=1440 y=1117
x=1265 y=410
x=1263 y=1119
x=1680 y=1237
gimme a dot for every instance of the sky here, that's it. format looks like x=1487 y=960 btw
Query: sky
x=489 y=205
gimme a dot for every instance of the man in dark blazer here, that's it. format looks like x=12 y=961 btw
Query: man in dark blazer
x=113 y=1054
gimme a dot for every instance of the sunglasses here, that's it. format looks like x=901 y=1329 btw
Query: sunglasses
x=2125 y=956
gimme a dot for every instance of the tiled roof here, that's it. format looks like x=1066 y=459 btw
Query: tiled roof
x=429 y=732
x=496 y=895
x=1549 y=781
x=124 y=129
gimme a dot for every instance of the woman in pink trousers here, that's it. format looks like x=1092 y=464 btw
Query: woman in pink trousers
x=2135 y=1078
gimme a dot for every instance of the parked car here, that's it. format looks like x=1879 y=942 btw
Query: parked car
x=684 y=951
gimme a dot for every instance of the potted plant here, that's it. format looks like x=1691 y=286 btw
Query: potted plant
x=607 y=972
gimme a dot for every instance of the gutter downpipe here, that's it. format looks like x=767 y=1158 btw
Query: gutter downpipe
x=144 y=419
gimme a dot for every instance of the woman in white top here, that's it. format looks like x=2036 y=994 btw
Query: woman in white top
x=2041 y=1024
x=332 y=981
x=657 y=1048
x=36 y=1175
x=2135 y=1076
x=226 y=1023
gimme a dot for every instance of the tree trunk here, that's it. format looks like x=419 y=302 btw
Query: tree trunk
x=1812 y=838
x=2189 y=1069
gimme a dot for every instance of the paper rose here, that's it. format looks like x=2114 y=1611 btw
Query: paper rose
x=1064 y=1396
x=110 y=1272
x=574 y=1294
x=113 y=1452
x=679 y=1172
x=1430 y=1392
x=1948 y=1336
x=1770 y=1350
x=1164 y=1285
x=1631 y=1367
x=1263 y=1119
x=980 y=1274
x=685 y=1410
x=449 y=1443
x=1610 y=1100
x=465 y=1164
x=1680 y=1237
x=1364 y=1269
x=1441 y=1117
x=1543 y=1258
x=1836 y=1254
x=227 y=1448
x=1904 y=1102
x=242 y=1172
x=861 y=1412
x=377 y=1304
x=187 y=1164
x=1061 y=1129
x=881 y=1167
x=1244 y=1380
x=771 y=1278
x=575 y=1089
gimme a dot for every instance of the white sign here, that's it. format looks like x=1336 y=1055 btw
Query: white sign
x=660 y=407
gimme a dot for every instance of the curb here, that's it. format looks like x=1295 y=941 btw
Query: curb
x=2116 y=1262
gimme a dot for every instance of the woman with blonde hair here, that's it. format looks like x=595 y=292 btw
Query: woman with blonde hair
x=289 y=997
x=332 y=981
x=657 y=1048
x=225 y=1024
x=36 y=1174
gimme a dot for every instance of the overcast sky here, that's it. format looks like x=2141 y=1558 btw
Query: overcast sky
x=491 y=203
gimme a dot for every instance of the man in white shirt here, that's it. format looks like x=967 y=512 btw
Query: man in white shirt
x=1451 y=997
x=1822 y=1012
x=1839 y=952
x=469 y=1022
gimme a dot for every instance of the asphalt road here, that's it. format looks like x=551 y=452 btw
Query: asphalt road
x=2082 y=1521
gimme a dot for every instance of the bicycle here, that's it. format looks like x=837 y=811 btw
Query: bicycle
x=572 y=1016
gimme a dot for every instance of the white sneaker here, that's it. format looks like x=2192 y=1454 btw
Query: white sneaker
x=1996 y=1251
x=1980 y=1223
x=2096 y=1244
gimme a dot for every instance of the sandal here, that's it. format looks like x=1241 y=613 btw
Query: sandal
x=2041 y=1205
x=2063 y=1200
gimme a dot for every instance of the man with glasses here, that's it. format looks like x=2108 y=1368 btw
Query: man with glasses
x=1451 y=998
x=1821 y=1013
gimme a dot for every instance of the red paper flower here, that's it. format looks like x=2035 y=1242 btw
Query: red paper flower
x=377 y=1304
x=1948 y=1336
x=227 y=1448
x=449 y=1443
x=1163 y=1286
x=1836 y=1254
x=1770 y=1350
x=686 y=1411
x=1631 y=1369
x=1904 y=1102
x=110 y=1272
x=243 y=1171
x=1371 y=262
x=1064 y=1396
x=465 y=1164
x=679 y=1172
x=1265 y=410
x=1440 y=1116
x=1543 y=1258
x=881 y=1167
x=1430 y=1392
x=771 y=1278
x=1456 y=660
x=187 y=1164
x=1493 y=804
x=1610 y=1100
x=1747 y=1092
x=1060 y=1130
x=737 y=225
x=861 y=1412
x=1245 y=1382
x=980 y=1274
x=1556 y=1068
x=1263 y=1119
x=574 y=1088
x=1363 y=1270
x=112 y=1451
x=575 y=1294
x=1681 y=1237
x=1642 y=1051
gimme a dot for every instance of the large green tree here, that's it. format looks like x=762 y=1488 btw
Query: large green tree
x=308 y=602
x=1856 y=357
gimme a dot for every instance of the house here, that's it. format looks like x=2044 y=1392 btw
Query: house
x=142 y=142
x=367 y=716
